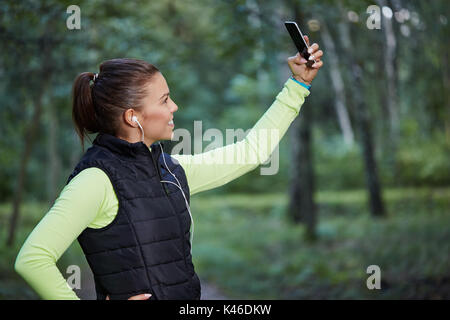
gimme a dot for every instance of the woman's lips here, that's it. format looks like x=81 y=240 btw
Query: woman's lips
x=171 y=124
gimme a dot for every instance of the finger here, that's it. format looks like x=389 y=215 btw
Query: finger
x=299 y=59
x=143 y=296
x=316 y=56
x=306 y=39
x=313 y=48
x=317 y=65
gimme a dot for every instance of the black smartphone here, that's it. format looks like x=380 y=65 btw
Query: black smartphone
x=299 y=41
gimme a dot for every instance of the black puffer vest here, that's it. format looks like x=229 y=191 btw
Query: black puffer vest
x=146 y=248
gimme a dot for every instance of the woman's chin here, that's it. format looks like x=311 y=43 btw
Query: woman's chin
x=169 y=135
x=171 y=132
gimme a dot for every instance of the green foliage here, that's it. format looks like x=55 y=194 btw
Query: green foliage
x=223 y=61
x=248 y=248
x=425 y=161
x=338 y=166
x=12 y=285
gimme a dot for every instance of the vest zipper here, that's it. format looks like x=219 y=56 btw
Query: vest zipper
x=159 y=175
x=176 y=214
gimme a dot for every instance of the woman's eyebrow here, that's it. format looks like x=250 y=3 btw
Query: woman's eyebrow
x=165 y=94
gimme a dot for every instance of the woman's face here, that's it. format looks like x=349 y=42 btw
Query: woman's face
x=157 y=111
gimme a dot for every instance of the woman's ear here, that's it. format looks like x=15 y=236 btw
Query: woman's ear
x=128 y=117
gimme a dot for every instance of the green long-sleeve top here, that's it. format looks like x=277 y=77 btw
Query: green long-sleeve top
x=89 y=199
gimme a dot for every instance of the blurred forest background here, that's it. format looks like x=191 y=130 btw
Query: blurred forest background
x=364 y=173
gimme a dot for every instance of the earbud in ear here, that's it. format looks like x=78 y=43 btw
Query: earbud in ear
x=134 y=118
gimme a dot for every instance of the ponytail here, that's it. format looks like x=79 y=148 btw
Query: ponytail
x=83 y=112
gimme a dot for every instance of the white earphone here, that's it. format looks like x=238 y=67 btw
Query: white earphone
x=134 y=118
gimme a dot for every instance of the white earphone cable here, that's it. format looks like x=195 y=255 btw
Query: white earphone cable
x=141 y=130
x=182 y=192
x=178 y=185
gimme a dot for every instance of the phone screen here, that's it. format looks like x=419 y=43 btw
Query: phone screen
x=299 y=41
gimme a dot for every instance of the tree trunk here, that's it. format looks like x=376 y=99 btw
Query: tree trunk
x=31 y=133
x=362 y=116
x=362 y=119
x=302 y=208
x=338 y=86
x=390 y=87
x=29 y=140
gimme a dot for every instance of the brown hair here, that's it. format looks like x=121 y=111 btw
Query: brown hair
x=120 y=85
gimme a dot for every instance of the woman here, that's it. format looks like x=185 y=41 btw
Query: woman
x=126 y=201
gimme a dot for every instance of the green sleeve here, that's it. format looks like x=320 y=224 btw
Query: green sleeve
x=215 y=168
x=76 y=208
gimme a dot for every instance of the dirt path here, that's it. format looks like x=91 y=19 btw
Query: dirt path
x=87 y=291
x=211 y=292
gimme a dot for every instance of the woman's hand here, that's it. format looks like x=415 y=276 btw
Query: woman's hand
x=297 y=64
x=144 y=296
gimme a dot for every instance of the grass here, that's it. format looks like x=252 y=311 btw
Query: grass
x=250 y=250
x=245 y=244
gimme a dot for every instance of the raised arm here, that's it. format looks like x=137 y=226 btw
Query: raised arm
x=217 y=167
